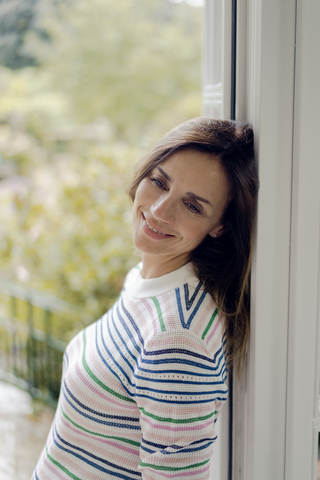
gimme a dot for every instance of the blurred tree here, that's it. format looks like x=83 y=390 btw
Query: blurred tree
x=135 y=63
x=114 y=78
x=17 y=18
x=67 y=230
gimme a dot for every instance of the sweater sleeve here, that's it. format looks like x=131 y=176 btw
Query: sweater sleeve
x=179 y=392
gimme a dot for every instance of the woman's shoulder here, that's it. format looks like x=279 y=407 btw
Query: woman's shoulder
x=190 y=310
x=132 y=276
x=176 y=306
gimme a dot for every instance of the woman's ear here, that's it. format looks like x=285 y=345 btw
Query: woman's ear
x=219 y=230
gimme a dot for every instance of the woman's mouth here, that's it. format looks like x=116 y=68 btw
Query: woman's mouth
x=158 y=232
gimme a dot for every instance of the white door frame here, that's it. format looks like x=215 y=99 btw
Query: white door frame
x=279 y=418
x=276 y=412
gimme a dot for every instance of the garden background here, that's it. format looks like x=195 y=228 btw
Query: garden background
x=86 y=87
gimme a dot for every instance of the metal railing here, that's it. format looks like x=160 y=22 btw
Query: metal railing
x=31 y=357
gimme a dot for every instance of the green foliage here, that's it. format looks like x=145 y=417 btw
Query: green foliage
x=113 y=79
x=17 y=18
x=131 y=62
x=69 y=227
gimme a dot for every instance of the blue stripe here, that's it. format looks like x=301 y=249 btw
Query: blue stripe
x=189 y=303
x=112 y=356
x=177 y=290
x=105 y=415
x=127 y=329
x=188 y=372
x=182 y=320
x=188 y=450
x=98 y=420
x=177 y=360
x=180 y=351
x=92 y=455
x=123 y=342
x=181 y=450
x=196 y=309
x=95 y=465
x=160 y=446
x=147 y=449
x=108 y=366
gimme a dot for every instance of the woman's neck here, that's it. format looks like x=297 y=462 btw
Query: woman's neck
x=156 y=266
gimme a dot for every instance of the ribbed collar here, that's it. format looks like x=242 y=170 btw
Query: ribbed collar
x=138 y=287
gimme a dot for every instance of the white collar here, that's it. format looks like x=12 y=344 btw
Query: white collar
x=138 y=287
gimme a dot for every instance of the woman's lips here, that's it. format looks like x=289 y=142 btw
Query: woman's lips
x=152 y=231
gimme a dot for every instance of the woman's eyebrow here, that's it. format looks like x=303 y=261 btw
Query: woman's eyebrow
x=166 y=176
x=201 y=199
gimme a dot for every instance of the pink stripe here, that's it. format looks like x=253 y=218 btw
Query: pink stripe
x=78 y=468
x=175 y=428
x=139 y=314
x=182 y=474
x=53 y=468
x=72 y=466
x=108 y=442
x=100 y=394
x=215 y=328
x=154 y=323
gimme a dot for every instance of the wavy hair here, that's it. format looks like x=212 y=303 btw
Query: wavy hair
x=221 y=264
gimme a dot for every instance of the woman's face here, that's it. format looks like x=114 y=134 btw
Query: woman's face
x=178 y=204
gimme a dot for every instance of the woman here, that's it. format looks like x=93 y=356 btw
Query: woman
x=143 y=386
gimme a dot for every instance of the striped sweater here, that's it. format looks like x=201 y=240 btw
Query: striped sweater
x=141 y=387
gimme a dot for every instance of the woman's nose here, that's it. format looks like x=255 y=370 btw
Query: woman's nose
x=163 y=209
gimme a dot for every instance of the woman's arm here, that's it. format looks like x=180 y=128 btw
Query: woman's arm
x=179 y=391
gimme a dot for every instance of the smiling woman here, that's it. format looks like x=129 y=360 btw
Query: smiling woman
x=178 y=204
x=143 y=386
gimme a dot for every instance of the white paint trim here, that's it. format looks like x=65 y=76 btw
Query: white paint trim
x=270 y=84
x=303 y=371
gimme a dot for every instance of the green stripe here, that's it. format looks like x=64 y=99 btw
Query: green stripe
x=163 y=328
x=62 y=468
x=172 y=420
x=125 y=440
x=91 y=374
x=210 y=323
x=172 y=469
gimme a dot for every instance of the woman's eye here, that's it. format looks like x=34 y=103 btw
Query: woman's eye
x=193 y=208
x=157 y=182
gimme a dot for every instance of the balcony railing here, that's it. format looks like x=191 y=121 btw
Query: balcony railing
x=30 y=356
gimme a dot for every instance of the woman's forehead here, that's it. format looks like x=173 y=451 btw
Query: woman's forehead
x=200 y=172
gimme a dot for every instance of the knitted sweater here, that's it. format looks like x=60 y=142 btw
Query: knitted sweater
x=141 y=387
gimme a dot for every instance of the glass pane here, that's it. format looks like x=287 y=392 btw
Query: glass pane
x=213 y=59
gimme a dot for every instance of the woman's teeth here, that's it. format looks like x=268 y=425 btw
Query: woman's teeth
x=153 y=229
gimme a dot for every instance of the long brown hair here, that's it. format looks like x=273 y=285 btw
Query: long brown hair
x=221 y=264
